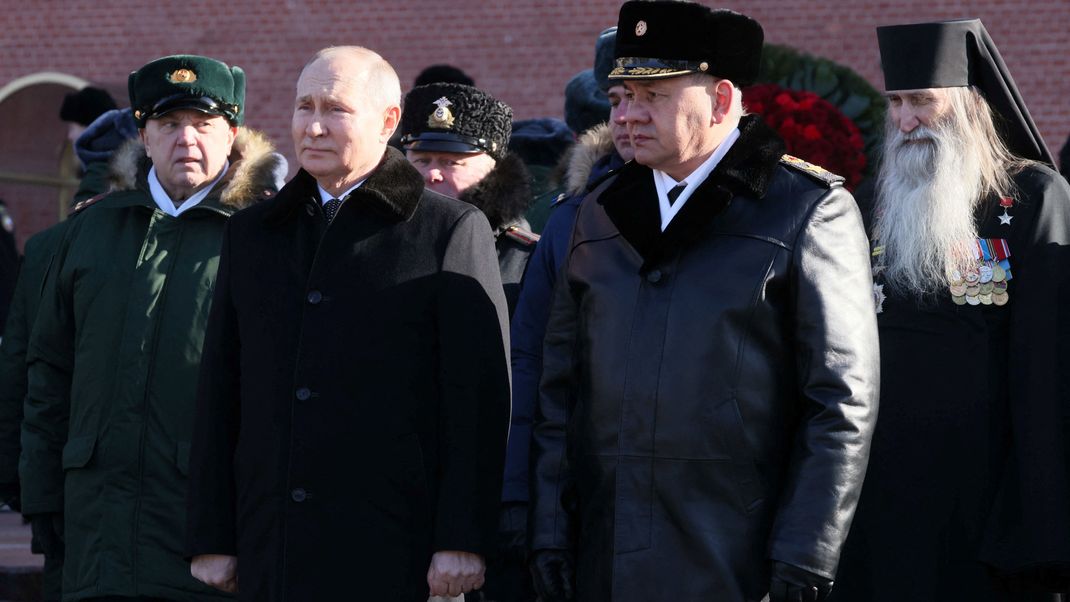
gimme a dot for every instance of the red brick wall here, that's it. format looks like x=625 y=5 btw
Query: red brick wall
x=522 y=51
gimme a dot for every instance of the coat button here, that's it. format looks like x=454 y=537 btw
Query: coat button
x=314 y=297
x=303 y=394
x=309 y=209
x=298 y=495
x=654 y=276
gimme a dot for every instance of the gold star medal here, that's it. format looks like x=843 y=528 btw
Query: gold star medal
x=182 y=76
x=441 y=117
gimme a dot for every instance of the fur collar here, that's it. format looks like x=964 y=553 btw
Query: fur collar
x=252 y=168
x=504 y=194
x=592 y=145
x=393 y=190
x=631 y=201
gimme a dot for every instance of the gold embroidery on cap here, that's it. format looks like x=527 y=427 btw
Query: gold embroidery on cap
x=182 y=76
x=441 y=117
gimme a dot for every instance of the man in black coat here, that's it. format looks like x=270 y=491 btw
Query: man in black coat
x=354 y=396
x=968 y=493
x=457 y=137
x=710 y=369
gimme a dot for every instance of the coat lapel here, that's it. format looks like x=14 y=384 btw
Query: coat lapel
x=631 y=202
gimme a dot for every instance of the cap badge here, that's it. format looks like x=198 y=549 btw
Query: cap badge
x=640 y=28
x=441 y=117
x=182 y=76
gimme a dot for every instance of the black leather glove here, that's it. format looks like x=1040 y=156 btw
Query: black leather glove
x=47 y=534
x=552 y=575
x=792 y=584
x=513 y=531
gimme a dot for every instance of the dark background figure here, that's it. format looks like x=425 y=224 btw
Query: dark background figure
x=453 y=155
x=443 y=74
x=97 y=145
x=9 y=262
x=540 y=143
x=46 y=540
x=596 y=153
x=466 y=154
x=82 y=108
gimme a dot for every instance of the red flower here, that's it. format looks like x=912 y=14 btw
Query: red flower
x=812 y=128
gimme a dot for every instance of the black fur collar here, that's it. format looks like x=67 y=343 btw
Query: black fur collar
x=393 y=189
x=504 y=194
x=631 y=200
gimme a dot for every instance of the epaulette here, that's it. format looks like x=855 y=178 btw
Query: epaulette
x=83 y=205
x=522 y=236
x=814 y=171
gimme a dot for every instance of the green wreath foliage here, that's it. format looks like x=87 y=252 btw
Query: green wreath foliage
x=849 y=92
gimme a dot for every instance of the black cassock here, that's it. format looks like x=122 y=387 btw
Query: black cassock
x=968 y=469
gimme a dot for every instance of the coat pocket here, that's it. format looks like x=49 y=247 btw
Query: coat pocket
x=732 y=432
x=78 y=451
x=182 y=457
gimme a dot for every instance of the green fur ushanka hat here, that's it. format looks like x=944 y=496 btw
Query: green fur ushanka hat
x=455 y=118
x=185 y=81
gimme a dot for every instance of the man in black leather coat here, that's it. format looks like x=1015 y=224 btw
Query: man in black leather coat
x=711 y=368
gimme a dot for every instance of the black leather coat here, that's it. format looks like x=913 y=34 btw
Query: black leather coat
x=709 y=392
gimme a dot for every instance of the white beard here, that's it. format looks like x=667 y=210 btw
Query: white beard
x=927 y=196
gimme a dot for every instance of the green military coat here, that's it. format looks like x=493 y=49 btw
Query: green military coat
x=113 y=361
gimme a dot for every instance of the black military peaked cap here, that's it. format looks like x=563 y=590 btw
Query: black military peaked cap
x=668 y=39
x=455 y=118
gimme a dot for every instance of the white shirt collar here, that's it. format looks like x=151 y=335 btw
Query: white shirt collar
x=163 y=200
x=326 y=196
x=664 y=182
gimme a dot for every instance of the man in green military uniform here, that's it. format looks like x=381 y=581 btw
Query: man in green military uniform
x=114 y=352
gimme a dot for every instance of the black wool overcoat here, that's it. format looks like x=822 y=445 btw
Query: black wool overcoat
x=354 y=396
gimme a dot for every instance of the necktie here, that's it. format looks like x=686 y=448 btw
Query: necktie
x=675 y=192
x=330 y=209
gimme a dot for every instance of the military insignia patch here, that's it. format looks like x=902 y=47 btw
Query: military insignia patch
x=522 y=236
x=182 y=76
x=814 y=171
x=441 y=117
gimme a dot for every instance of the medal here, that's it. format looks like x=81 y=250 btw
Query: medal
x=973 y=275
x=999 y=287
x=985 y=299
x=1006 y=203
x=973 y=291
x=1000 y=298
x=987 y=288
x=998 y=273
x=972 y=300
x=879 y=296
x=958 y=299
x=986 y=272
x=957 y=290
